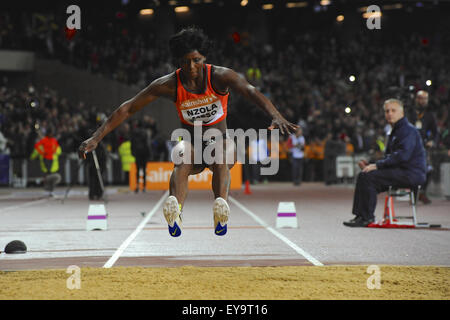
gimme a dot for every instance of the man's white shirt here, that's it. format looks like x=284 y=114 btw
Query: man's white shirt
x=297 y=152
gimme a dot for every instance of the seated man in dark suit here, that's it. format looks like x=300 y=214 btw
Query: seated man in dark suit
x=404 y=165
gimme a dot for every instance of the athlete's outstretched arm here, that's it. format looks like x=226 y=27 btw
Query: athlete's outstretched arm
x=227 y=78
x=157 y=88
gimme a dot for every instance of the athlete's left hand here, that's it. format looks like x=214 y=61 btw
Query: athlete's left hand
x=285 y=126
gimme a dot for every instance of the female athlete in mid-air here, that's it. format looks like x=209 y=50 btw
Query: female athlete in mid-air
x=200 y=92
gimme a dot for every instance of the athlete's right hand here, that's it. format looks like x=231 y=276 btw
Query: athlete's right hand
x=285 y=126
x=86 y=146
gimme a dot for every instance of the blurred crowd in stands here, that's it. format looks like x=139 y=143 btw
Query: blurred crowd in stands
x=332 y=85
x=26 y=115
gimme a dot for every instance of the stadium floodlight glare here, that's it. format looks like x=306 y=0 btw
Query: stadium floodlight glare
x=181 y=9
x=340 y=18
x=348 y=110
x=244 y=3
x=352 y=78
x=267 y=6
x=146 y=12
x=301 y=4
x=375 y=14
x=392 y=6
x=428 y=82
x=325 y=2
x=172 y=2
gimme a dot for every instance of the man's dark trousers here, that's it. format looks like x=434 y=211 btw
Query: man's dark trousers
x=297 y=170
x=369 y=184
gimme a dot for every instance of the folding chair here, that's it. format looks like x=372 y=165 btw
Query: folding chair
x=390 y=220
x=389 y=212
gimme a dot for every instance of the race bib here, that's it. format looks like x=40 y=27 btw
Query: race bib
x=206 y=113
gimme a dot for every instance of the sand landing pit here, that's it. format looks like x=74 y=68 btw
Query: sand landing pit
x=231 y=283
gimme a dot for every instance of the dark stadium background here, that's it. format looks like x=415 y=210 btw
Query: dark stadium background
x=304 y=54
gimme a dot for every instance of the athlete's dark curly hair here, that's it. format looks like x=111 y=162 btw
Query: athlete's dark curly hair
x=188 y=40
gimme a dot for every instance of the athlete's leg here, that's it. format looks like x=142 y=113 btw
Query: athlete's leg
x=178 y=189
x=221 y=185
x=221 y=179
x=179 y=182
x=183 y=157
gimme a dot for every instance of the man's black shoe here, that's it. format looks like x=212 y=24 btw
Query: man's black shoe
x=356 y=218
x=352 y=221
x=358 y=222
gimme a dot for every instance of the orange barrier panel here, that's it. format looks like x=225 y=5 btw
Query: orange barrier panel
x=158 y=176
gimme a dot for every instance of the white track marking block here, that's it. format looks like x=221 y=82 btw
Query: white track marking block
x=286 y=215
x=97 y=217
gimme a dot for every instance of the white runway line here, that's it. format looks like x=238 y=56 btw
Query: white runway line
x=131 y=237
x=26 y=204
x=299 y=250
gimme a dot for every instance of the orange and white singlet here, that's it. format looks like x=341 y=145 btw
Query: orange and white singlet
x=210 y=107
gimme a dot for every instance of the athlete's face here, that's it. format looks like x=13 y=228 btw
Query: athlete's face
x=192 y=64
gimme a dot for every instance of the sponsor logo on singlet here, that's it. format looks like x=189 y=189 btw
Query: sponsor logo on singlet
x=205 y=109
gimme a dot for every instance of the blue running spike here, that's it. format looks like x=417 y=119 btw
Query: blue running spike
x=220 y=231
x=175 y=231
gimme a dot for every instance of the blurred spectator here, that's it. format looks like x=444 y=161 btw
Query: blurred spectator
x=258 y=152
x=94 y=185
x=151 y=131
x=333 y=148
x=3 y=144
x=140 y=150
x=423 y=117
x=48 y=150
x=253 y=74
x=446 y=139
x=126 y=158
x=315 y=154
x=349 y=148
x=296 y=145
x=360 y=141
